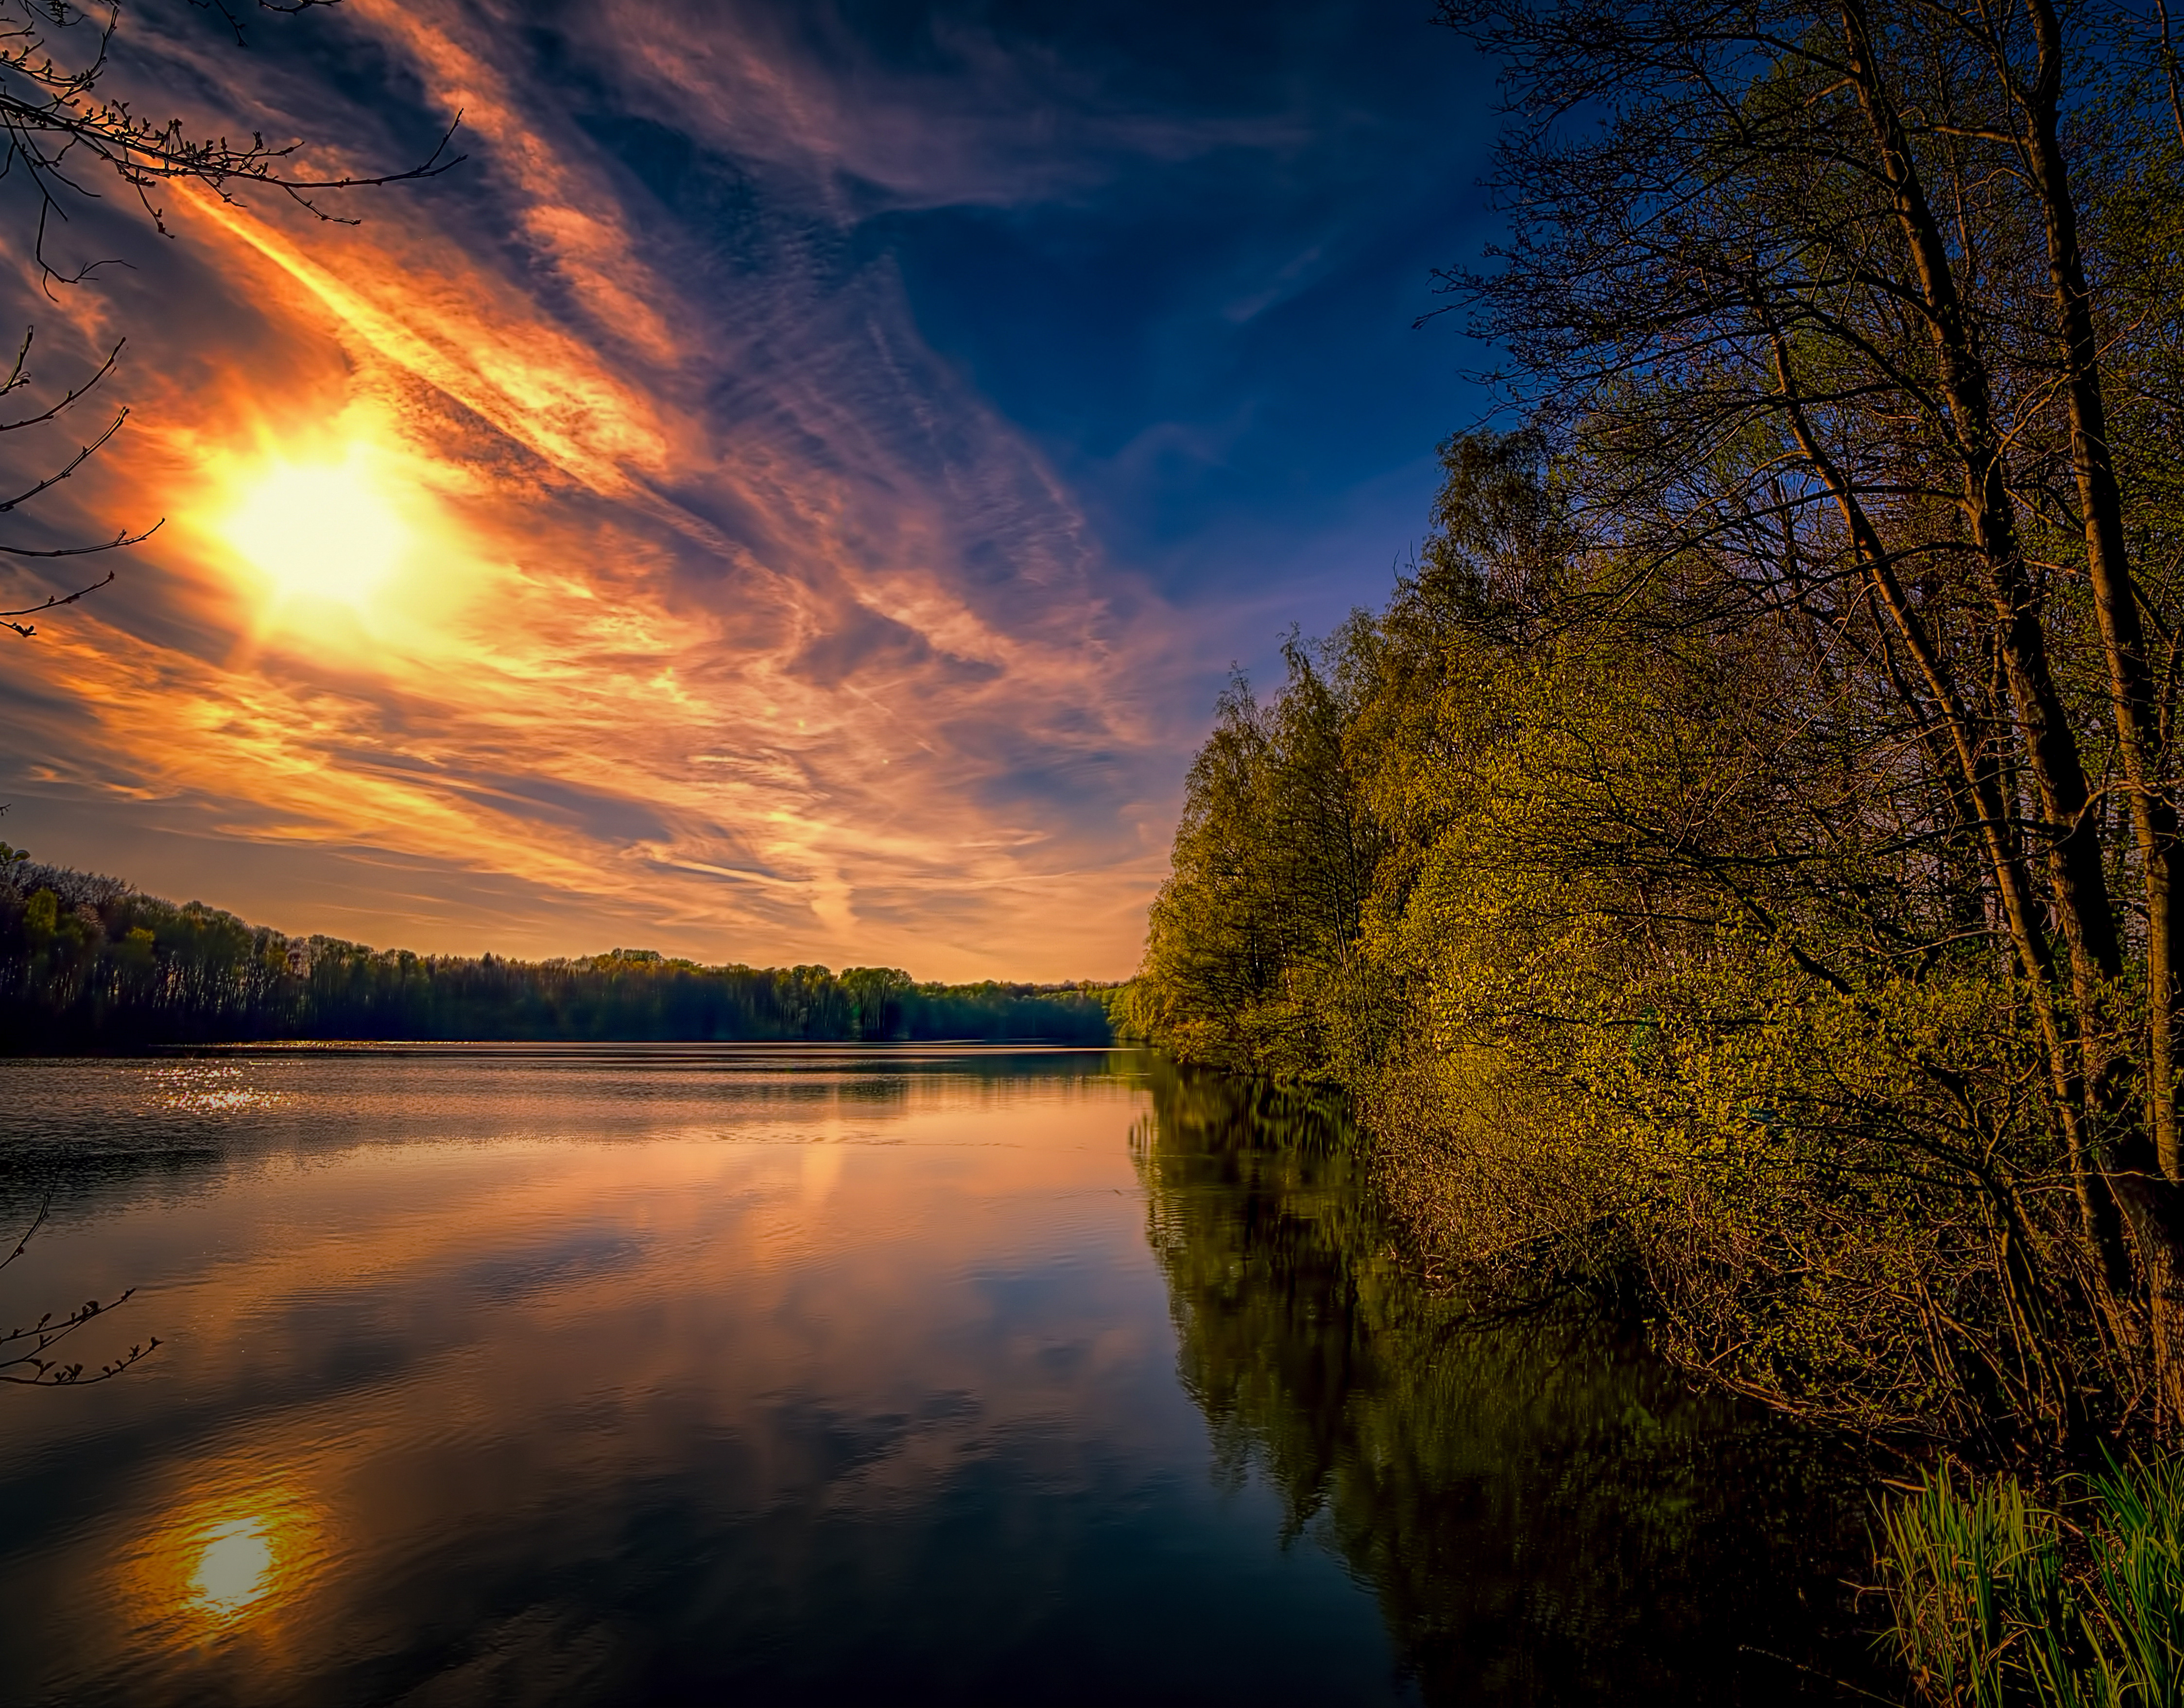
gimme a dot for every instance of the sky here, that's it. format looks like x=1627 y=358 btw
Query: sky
x=790 y=494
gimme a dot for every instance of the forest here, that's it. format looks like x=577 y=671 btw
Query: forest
x=88 y=963
x=1738 y=871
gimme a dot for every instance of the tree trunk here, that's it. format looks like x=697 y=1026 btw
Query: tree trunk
x=2156 y=1208
x=2078 y=885
x=2115 y=601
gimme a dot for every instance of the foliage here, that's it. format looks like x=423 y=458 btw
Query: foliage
x=88 y=963
x=1735 y=869
x=1579 y=1002
x=1250 y=943
x=1998 y=1601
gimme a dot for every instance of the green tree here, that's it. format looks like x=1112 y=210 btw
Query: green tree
x=1771 y=758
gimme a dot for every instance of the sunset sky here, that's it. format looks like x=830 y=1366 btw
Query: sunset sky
x=791 y=494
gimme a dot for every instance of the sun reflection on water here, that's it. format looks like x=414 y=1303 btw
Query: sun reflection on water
x=217 y=1089
x=235 y=1568
x=225 y=1563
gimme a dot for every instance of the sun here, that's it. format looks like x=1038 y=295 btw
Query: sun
x=325 y=532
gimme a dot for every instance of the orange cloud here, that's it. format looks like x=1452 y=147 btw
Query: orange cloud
x=505 y=539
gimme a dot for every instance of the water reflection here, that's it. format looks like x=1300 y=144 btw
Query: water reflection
x=1545 y=1513
x=234 y=1567
x=619 y=1381
x=610 y=1376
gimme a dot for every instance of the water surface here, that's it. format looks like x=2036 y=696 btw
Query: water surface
x=710 y=1374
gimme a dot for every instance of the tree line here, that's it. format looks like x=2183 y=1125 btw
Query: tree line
x=88 y=963
x=1740 y=866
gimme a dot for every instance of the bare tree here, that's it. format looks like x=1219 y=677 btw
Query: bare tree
x=26 y=1353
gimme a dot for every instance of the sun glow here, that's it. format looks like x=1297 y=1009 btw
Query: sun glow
x=326 y=532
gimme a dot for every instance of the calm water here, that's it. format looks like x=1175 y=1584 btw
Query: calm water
x=711 y=1375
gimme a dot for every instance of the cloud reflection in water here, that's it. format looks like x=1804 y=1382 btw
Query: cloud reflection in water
x=592 y=1380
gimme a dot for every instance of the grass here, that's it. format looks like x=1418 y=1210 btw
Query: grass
x=1998 y=1600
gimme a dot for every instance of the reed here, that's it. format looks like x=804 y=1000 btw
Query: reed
x=1999 y=1601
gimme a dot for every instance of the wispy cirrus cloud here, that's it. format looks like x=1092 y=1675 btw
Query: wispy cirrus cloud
x=788 y=495
x=956 y=115
x=716 y=607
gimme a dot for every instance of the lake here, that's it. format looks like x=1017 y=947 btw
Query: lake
x=816 y=1374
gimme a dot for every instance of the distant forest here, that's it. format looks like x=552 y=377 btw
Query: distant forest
x=90 y=964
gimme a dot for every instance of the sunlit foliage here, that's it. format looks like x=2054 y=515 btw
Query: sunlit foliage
x=1735 y=869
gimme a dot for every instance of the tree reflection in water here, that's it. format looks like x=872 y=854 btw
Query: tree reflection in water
x=1546 y=1512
